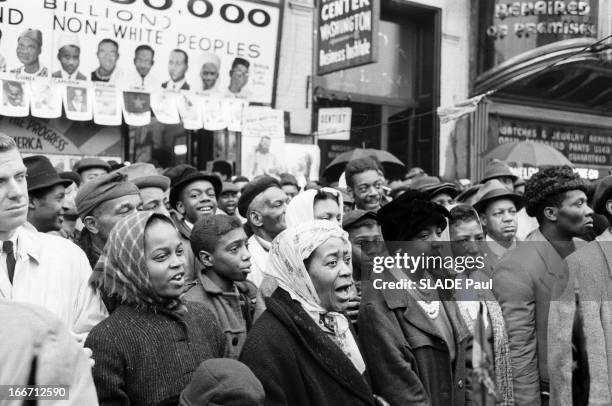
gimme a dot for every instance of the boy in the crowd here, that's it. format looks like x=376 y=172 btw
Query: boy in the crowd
x=220 y=243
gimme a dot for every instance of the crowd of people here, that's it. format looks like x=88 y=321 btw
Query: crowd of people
x=134 y=285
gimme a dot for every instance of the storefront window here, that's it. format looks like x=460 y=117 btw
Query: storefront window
x=163 y=145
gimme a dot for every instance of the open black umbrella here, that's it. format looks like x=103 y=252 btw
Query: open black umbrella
x=392 y=165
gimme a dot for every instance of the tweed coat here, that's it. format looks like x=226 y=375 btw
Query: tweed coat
x=523 y=282
x=590 y=276
x=145 y=357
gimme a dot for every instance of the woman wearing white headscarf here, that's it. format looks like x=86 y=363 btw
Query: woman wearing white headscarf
x=323 y=204
x=302 y=348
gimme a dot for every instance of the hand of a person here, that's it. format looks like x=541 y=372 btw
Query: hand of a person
x=89 y=354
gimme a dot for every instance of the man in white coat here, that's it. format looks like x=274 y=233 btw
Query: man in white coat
x=38 y=268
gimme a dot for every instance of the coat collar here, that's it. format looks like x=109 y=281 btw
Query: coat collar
x=324 y=351
x=604 y=240
x=28 y=242
x=551 y=258
x=414 y=314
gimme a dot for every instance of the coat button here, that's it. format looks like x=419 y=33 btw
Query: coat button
x=235 y=341
x=460 y=383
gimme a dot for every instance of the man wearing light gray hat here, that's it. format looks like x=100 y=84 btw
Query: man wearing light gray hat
x=69 y=55
x=29 y=46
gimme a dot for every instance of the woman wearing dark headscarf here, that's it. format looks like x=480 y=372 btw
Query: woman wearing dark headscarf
x=414 y=343
x=146 y=351
x=302 y=348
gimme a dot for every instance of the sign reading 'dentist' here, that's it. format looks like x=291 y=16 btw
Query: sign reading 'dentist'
x=346 y=34
x=334 y=123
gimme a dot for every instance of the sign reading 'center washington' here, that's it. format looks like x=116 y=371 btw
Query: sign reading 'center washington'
x=346 y=34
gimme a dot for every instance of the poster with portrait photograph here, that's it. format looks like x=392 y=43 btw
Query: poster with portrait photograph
x=215 y=117
x=107 y=104
x=15 y=98
x=78 y=102
x=302 y=161
x=189 y=107
x=235 y=109
x=221 y=47
x=137 y=108
x=262 y=156
x=163 y=104
x=46 y=98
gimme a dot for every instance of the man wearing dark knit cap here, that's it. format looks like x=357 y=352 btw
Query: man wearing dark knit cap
x=263 y=203
x=101 y=203
x=524 y=280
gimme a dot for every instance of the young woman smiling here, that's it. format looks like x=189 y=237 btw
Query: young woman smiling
x=146 y=351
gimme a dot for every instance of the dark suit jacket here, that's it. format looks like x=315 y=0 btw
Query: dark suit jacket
x=408 y=359
x=79 y=75
x=185 y=85
x=523 y=282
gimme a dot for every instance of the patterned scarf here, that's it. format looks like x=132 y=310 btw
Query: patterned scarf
x=121 y=270
x=286 y=264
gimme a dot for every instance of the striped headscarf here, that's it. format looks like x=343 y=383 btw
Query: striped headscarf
x=121 y=270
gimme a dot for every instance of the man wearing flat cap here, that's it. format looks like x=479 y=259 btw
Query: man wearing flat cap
x=151 y=185
x=443 y=193
x=69 y=56
x=524 y=280
x=46 y=194
x=209 y=71
x=366 y=239
x=193 y=195
x=101 y=203
x=39 y=268
x=497 y=207
x=29 y=46
x=589 y=272
x=263 y=203
x=90 y=168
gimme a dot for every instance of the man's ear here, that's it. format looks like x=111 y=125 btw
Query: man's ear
x=31 y=203
x=350 y=191
x=206 y=258
x=91 y=223
x=609 y=206
x=255 y=218
x=550 y=213
x=180 y=207
x=483 y=220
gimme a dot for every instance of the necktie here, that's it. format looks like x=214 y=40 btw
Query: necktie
x=7 y=247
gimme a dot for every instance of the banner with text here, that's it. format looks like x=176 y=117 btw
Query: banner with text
x=347 y=34
x=222 y=49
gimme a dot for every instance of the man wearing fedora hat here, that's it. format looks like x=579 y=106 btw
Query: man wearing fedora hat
x=193 y=195
x=497 y=207
x=498 y=170
x=151 y=185
x=46 y=193
x=39 y=268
